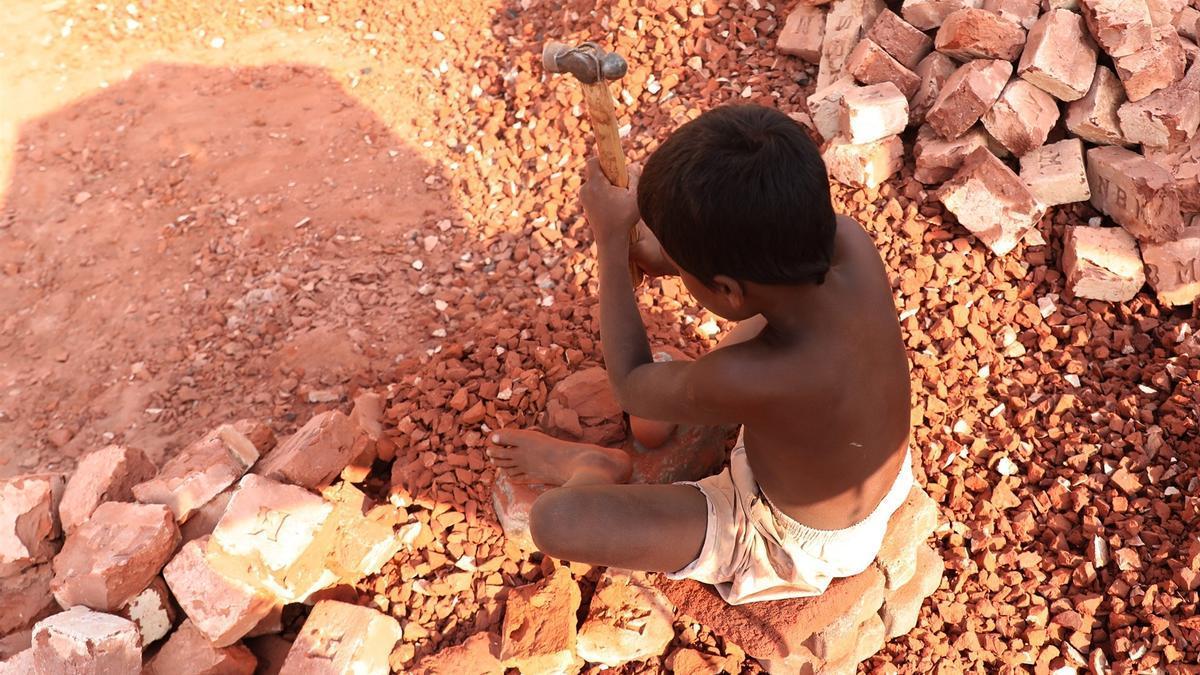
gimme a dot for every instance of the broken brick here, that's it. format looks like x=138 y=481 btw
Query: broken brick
x=871 y=113
x=189 y=652
x=871 y=65
x=979 y=34
x=199 y=472
x=845 y=24
x=966 y=95
x=864 y=164
x=80 y=640
x=477 y=655
x=903 y=41
x=937 y=159
x=1135 y=192
x=210 y=590
x=825 y=107
x=1183 y=162
x=1173 y=267
x=1024 y=13
x=25 y=598
x=907 y=528
x=339 y=637
x=628 y=620
x=106 y=475
x=539 y=624
x=990 y=201
x=29 y=523
x=933 y=71
x=929 y=14
x=1021 y=119
x=803 y=33
x=1056 y=173
x=902 y=606
x=1102 y=263
x=839 y=637
x=1157 y=66
x=1094 y=117
x=1122 y=27
x=151 y=611
x=1059 y=57
x=1167 y=118
x=314 y=455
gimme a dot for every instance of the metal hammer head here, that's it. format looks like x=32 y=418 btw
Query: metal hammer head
x=588 y=62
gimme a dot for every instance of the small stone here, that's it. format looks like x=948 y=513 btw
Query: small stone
x=29 y=522
x=967 y=95
x=114 y=556
x=803 y=33
x=1122 y=27
x=929 y=14
x=629 y=620
x=106 y=475
x=1056 y=173
x=933 y=71
x=1102 y=263
x=539 y=625
x=200 y=472
x=80 y=640
x=339 y=637
x=1021 y=119
x=1135 y=192
x=314 y=455
x=903 y=41
x=1094 y=117
x=189 y=652
x=1059 y=56
x=990 y=201
x=866 y=165
x=871 y=65
x=979 y=34
x=1173 y=267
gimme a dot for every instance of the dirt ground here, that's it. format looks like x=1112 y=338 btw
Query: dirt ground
x=256 y=209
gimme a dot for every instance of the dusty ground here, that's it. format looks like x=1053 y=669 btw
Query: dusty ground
x=257 y=208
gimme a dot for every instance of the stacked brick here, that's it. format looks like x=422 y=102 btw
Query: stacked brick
x=1019 y=107
x=93 y=568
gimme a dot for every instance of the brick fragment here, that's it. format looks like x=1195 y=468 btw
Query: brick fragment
x=29 y=523
x=870 y=64
x=1191 y=52
x=512 y=502
x=1021 y=119
x=845 y=24
x=204 y=519
x=904 y=41
x=902 y=606
x=966 y=95
x=189 y=652
x=1024 y=13
x=82 y=641
x=979 y=34
x=151 y=611
x=1165 y=12
x=933 y=71
x=1056 y=173
x=314 y=455
x=20 y=663
x=477 y=655
x=803 y=33
x=908 y=527
x=825 y=107
x=25 y=598
x=929 y=14
x=1122 y=27
x=340 y=638
x=871 y=113
x=1186 y=20
x=1183 y=162
x=1102 y=263
x=937 y=159
x=106 y=475
x=210 y=589
x=539 y=625
x=1167 y=118
x=1157 y=66
x=1094 y=117
x=629 y=620
x=114 y=555
x=200 y=472
x=1173 y=267
x=990 y=201
x=1135 y=192
x=864 y=164
x=1060 y=56
x=839 y=637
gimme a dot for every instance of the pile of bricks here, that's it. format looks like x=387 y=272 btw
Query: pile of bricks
x=121 y=567
x=1020 y=106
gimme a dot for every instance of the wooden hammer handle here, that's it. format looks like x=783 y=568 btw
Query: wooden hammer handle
x=608 y=145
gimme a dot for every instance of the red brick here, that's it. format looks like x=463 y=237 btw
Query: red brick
x=1094 y=117
x=340 y=638
x=908 y=527
x=25 y=598
x=539 y=625
x=967 y=95
x=106 y=475
x=777 y=628
x=1165 y=119
x=210 y=589
x=1173 y=267
x=1022 y=117
x=367 y=418
x=1186 y=20
x=20 y=663
x=314 y=455
x=189 y=652
x=933 y=71
x=29 y=524
x=1165 y=12
x=204 y=520
x=868 y=639
x=902 y=606
x=937 y=159
x=82 y=641
x=979 y=34
x=871 y=65
x=929 y=14
x=990 y=201
x=1102 y=263
x=1056 y=173
x=839 y=637
x=1157 y=66
x=151 y=611
x=1183 y=162
x=1122 y=27
x=825 y=107
x=864 y=164
x=905 y=42
x=199 y=472
x=871 y=113
x=1137 y=193
x=1059 y=57
x=114 y=555
x=477 y=655
x=628 y=620
x=803 y=33
x=271 y=652
x=845 y=24
x=1024 y=13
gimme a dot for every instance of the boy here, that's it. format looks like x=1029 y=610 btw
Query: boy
x=737 y=204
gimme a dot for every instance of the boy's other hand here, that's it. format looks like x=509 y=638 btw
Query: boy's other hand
x=647 y=253
x=611 y=211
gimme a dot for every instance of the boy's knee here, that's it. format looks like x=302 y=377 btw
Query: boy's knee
x=554 y=522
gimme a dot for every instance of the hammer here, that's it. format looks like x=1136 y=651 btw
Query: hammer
x=594 y=67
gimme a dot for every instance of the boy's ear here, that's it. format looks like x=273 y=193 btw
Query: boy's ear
x=731 y=290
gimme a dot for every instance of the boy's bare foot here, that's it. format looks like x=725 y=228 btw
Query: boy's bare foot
x=533 y=457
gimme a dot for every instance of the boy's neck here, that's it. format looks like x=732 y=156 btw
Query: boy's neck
x=791 y=310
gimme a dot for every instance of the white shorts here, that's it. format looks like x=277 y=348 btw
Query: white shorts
x=754 y=552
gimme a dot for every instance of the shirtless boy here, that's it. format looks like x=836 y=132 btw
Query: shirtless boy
x=737 y=204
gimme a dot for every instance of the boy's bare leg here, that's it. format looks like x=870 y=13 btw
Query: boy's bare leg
x=593 y=518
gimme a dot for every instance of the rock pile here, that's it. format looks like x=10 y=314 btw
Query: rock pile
x=96 y=565
x=1020 y=107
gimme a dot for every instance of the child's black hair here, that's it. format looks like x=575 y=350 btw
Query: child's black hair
x=741 y=191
